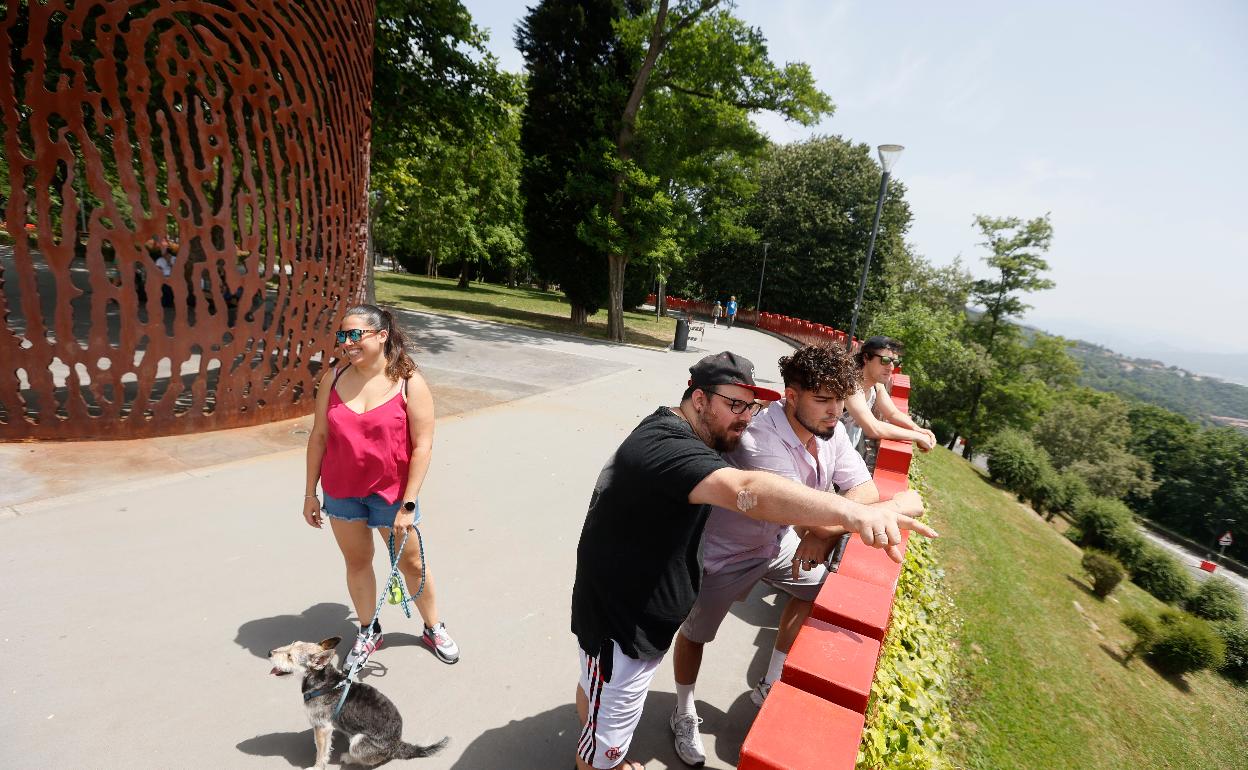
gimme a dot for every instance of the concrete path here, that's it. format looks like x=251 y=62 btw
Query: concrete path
x=138 y=609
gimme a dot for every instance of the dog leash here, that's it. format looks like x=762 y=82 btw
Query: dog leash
x=351 y=673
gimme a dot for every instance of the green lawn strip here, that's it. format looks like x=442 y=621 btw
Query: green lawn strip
x=531 y=308
x=1038 y=687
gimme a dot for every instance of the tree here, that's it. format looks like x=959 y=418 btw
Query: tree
x=1015 y=248
x=1089 y=432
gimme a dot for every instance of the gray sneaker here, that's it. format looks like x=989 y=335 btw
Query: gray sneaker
x=688 y=740
x=759 y=693
x=438 y=640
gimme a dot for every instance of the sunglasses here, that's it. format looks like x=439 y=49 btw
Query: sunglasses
x=738 y=406
x=890 y=360
x=355 y=335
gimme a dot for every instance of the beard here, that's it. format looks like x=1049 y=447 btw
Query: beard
x=813 y=427
x=726 y=439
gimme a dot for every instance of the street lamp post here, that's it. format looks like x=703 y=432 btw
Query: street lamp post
x=758 y=306
x=888 y=156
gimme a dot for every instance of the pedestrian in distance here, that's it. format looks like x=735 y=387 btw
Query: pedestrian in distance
x=731 y=311
x=639 y=560
x=370 y=447
x=801 y=439
x=869 y=411
x=717 y=312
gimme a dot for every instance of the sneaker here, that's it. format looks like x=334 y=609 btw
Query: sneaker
x=441 y=643
x=688 y=740
x=363 y=647
x=759 y=694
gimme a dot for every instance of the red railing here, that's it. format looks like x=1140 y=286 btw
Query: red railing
x=796 y=329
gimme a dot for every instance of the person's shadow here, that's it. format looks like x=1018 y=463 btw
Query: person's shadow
x=320 y=621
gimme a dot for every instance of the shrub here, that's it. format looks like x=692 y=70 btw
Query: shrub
x=1235 y=637
x=1105 y=570
x=1145 y=628
x=1216 y=599
x=1159 y=573
x=1127 y=543
x=1015 y=462
x=1186 y=643
x=1099 y=518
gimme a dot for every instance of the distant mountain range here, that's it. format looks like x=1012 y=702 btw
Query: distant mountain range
x=1204 y=398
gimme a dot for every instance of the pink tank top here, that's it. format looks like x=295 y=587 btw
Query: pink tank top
x=366 y=453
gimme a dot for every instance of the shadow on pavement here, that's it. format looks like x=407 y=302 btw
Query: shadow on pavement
x=298 y=749
x=546 y=740
x=320 y=621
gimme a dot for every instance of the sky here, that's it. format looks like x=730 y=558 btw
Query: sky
x=1125 y=121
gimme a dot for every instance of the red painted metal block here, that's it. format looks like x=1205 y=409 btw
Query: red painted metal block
x=894 y=456
x=1208 y=566
x=834 y=663
x=902 y=403
x=889 y=482
x=799 y=731
x=854 y=604
x=871 y=565
x=901 y=385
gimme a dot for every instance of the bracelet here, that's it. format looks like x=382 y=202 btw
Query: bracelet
x=314 y=497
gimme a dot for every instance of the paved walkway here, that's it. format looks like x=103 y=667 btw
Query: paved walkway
x=139 y=603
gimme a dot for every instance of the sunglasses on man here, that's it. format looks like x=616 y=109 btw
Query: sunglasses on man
x=355 y=335
x=893 y=361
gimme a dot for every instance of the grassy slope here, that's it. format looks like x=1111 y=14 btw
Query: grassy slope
x=535 y=309
x=1040 y=686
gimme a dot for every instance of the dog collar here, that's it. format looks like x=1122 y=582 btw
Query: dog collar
x=307 y=696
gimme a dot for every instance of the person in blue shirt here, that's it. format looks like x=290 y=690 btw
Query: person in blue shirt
x=731 y=311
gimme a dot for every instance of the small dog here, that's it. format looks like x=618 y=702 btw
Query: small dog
x=368 y=717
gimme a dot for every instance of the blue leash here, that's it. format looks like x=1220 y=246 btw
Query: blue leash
x=403 y=600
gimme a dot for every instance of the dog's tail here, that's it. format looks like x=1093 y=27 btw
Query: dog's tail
x=411 y=750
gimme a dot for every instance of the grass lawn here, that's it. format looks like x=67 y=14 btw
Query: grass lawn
x=547 y=310
x=1041 y=682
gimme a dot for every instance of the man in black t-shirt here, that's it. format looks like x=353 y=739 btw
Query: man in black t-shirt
x=639 y=563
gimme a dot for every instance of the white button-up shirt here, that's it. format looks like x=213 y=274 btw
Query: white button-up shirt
x=769 y=444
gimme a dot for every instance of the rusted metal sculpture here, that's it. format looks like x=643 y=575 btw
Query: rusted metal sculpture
x=186 y=210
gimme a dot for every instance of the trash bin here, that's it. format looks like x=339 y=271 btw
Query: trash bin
x=681 y=342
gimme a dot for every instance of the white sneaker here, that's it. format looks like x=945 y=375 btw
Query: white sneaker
x=688 y=741
x=759 y=693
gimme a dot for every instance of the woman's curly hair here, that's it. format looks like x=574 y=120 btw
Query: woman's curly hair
x=821 y=367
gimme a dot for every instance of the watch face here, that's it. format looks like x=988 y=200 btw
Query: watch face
x=410 y=505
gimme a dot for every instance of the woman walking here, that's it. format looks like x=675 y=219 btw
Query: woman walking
x=370 y=448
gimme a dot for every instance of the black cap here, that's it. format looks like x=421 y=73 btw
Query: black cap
x=729 y=369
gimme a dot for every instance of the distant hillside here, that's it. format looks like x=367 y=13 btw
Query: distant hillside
x=1206 y=399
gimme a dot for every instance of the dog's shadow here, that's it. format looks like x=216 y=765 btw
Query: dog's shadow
x=296 y=748
x=317 y=622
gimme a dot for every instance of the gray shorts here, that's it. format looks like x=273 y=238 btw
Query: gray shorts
x=734 y=582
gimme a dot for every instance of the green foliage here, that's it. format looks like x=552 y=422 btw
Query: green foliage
x=1145 y=627
x=1185 y=643
x=1089 y=433
x=1015 y=462
x=1068 y=488
x=1216 y=599
x=909 y=719
x=1159 y=573
x=1100 y=519
x=1106 y=572
x=1235 y=637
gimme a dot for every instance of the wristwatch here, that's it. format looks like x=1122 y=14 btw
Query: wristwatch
x=409 y=506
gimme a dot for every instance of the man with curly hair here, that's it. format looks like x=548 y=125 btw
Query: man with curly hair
x=800 y=438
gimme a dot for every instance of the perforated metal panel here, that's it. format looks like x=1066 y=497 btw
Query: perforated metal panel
x=185 y=203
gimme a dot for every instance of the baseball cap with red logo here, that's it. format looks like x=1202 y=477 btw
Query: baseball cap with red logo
x=729 y=369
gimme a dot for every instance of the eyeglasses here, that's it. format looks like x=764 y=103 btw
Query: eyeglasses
x=738 y=406
x=355 y=335
x=890 y=360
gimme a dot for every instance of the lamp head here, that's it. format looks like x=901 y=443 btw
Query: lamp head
x=888 y=155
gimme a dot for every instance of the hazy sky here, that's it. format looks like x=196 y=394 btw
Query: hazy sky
x=1125 y=120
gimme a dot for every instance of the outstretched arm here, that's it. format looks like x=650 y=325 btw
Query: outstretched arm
x=875 y=428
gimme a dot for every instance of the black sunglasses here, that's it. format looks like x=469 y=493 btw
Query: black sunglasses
x=355 y=335
x=738 y=406
x=890 y=360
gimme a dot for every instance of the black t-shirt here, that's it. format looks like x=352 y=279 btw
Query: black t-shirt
x=639 y=562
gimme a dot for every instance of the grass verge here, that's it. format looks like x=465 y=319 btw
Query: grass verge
x=531 y=308
x=1041 y=683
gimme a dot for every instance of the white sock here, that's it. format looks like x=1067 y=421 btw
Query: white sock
x=777 y=666
x=684 y=699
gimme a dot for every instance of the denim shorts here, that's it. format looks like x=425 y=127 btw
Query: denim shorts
x=372 y=510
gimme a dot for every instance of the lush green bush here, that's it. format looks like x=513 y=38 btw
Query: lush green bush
x=1127 y=543
x=1235 y=637
x=1068 y=490
x=1186 y=643
x=1015 y=462
x=1159 y=573
x=1106 y=572
x=1216 y=599
x=1145 y=628
x=1100 y=519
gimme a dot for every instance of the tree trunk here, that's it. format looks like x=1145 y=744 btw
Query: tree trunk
x=615 y=307
x=429 y=266
x=463 y=273
x=953 y=443
x=579 y=316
